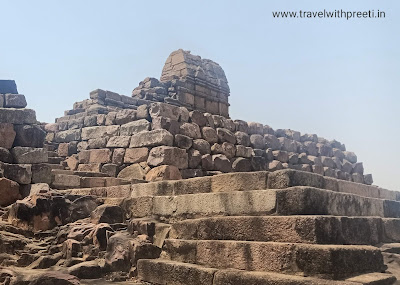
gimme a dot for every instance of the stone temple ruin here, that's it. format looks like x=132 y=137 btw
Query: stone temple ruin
x=162 y=187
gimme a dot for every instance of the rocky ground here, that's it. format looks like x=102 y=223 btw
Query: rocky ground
x=54 y=238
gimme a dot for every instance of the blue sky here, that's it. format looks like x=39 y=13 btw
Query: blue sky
x=337 y=78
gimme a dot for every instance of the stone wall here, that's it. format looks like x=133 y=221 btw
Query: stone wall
x=22 y=158
x=137 y=138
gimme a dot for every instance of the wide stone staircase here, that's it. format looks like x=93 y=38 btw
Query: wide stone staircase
x=285 y=227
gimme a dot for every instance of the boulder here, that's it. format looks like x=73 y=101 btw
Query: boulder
x=9 y=192
x=198 y=118
x=272 y=142
x=7 y=135
x=163 y=172
x=167 y=155
x=255 y=128
x=109 y=214
x=152 y=138
x=29 y=155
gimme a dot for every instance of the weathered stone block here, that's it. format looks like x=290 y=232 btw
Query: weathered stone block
x=241 y=165
x=29 y=155
x=97 y=143
x=164 y=110
x=132 y=172
x=91 y=167
x=21 y=173
x=99 y=132
x=14 y=101
x=225 y=135
x=183 y=141
x=41 y=173
x=257 y=141
x=29 y=135
x=135 y=127
x=202 y=146
x=100 y=156
x=255 y=128
x=221 y=163
x=209 y=134
x=166 y=155
x=272 y=142
x=190 y=130
x=119 y=141
x=110 y=169
x=17 y=116
x=243 y=151
x=9 y=192
x=242 y=138
x=136 y=155
x=152 y=138
x=68 y=136
x=164 y=172
x=7 y=135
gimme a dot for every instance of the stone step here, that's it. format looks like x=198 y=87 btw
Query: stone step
x=72 y=181
x=295 y=229
x=328 y=261
x=119 y=191
x=159 y=271
x=245 y=181
x=299 y=200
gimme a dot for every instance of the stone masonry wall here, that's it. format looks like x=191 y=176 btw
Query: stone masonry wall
x=22 y=158
x=135 y=138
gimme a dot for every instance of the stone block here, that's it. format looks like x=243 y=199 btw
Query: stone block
x=167 y=155
x=9 y=192
x=202 y=146
x=272 y=142
x=350 y=156
x=5 y=156
x=287 y=144
x=136 y=155
x=133 y=172
x=198 y=118
x=125 y=116
x=274 y=165
x=8 y=86
x=68 y=136
x=225 y=135
x=242 y=138
x=21 y=173
x=257 y=141
x=17 y=116
x=14 y=101
x=100 y=156
x=7 y=135
x=281 y=155
x=89 y=167
x=119 y=142
x=190 y=130
x=110 y=169
x=41 y=173
x=152 y=138
x=118 y=156
x=255 y=128
x=183 y=141
x=241 y=164
x=99 y=132
x=97 y=143
x=243 y=151
x=164 y=110
x=164 y=172
x=221 y=163
x=368 y=179
x=29 y=136
x=358 y=168
x=209 y=134
x=29 y=155
x=135 y=127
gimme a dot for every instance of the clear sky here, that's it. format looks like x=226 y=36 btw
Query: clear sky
x=337 y=78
